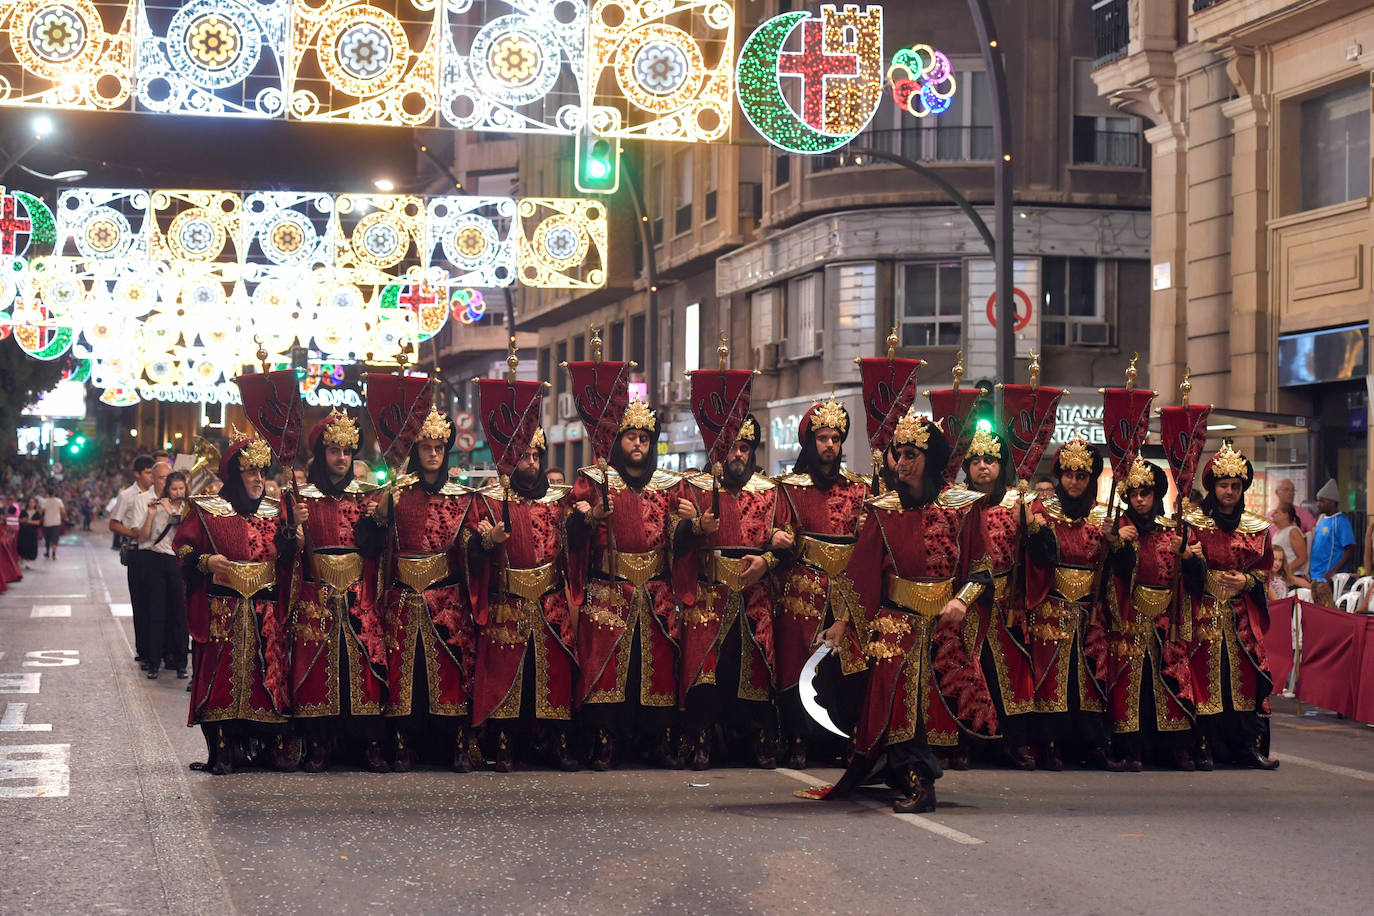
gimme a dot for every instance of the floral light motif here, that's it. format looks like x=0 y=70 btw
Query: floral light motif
x=661 y=67
x=213 y=42
x=57 y=33
x=364 y=51
x=922 y=81
x=515 y=58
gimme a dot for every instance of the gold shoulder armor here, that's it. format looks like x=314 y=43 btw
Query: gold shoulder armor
x=310 y=491
x=701 y=480
x=793 y=479
x=957 y=496
x=405 y=480
x=854 y=477
x=1010 y=499
x=213 y=505
x=454 y=488
x=1199 y=519
x=664 y=480
x=360 y=487
x=1250 y=523
x=1164 y=521
x=889 y=500
x=269 y=508
x=759 y=484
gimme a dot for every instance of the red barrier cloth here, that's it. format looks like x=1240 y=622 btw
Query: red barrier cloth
x=1278 y=640
x=1364 y=680
x=1332 y=646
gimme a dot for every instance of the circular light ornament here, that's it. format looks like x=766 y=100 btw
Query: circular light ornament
x=196 y=235
x=289 y=238
x=659 y=68
x=922 y=81
x=58 y=40
x=363 y=51
x=471 y=242
x=562 y=241
x=515 y=59
x=213 y=44
x=380 y=240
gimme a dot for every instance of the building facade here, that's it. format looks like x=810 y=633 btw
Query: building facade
x=1258 y=116
x=805 y=263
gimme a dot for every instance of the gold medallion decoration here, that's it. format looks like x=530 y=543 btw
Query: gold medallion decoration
x=1140 y=475
x=984 y=445
x=1076 y=456
x=831 y=415
x=436 y=426
x=255 y=452
x=748 y=432
x=538 y=440
x=912 y=430
x=341 y=430
x=1229 y=463
x=638 y=416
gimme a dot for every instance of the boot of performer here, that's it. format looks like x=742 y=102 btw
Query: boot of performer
x=462 y=751
x=701 y=750
x=374 y=761
x=286 y=753
x=668 y=752
x=796 y=754
x=505 y=754
x=766 y=749
x=561 y=752
x=316 y=756
x=918 y=793
x=603 y=751
x=404 y=760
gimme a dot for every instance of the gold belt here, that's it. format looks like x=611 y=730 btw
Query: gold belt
x=339 y=570
x=1150 y=600
x=1216 y=589
x=248 y=578
x=419 y=573
x=635 y=568
x=825 y=556
x=533 y=583
x=1001 y=586
x=730 y=571
x=925 y=598
x=1073 y=583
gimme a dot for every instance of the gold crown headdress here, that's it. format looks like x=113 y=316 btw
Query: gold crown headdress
x=1229 y=463
x=537 y=440
x=340 y=429
x=984 y=445
x=639 y=415
x=1076 y=456
x=253 y=452
x=436 y=426
x=912 y=430
x=831 y=415
x=747 y=431
x=1141 y=474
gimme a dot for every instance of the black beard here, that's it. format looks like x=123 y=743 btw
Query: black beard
x=1079 y=507
x=736 y=475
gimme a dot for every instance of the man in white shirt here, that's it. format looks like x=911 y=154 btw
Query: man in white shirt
x=54 y=511
x=131 y=508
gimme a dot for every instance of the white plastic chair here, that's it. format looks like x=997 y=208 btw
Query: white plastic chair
x=1338 y=583
x=1348 y=602
x=1361 y=587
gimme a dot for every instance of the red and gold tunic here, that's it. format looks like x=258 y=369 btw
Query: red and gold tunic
x=336 y=615
x=1141 y=605
x=827 y=524
x=519 y=603
x=1227 y=626
x=999 y=622
x=622 y=579
x=238 y=622
x=425 y=607
x=907 y=565
x=1061 y=599
x=748 y=518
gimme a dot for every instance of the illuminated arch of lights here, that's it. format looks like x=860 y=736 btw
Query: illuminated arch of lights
x=175 y=289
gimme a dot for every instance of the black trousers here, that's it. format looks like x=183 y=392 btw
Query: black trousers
x=138 y=602
x=164 y=594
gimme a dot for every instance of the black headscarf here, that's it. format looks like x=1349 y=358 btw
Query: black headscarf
x=932 y=478
x=809 y=462
x=1159 y=487
x=318 y=474
x=539 y=486
x=232 y=490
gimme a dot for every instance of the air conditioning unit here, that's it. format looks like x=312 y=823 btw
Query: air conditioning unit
x=766 y=356
x=567 y=407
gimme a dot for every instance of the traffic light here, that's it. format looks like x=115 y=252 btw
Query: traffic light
x=597 y=168
x=381 y=475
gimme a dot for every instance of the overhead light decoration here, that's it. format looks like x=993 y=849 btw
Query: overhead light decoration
x=922 y=81
x=168 y=293
x=835 y=77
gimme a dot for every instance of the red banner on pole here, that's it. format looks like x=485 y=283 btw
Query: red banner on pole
x=1183 y=431
x=720 y=402
x=602 y=392
x=398 y=405
x=952 y=408
x=889 y=392
x=510 y=415
x=1029 y=415
x=272 y=402
x=1126 y=423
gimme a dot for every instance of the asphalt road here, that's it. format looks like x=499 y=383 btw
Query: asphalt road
x=99 y=813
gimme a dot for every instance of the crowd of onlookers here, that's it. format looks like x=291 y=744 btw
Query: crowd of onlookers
x=41 y=501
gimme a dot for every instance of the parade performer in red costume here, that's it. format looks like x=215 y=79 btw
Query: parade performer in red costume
x=912 y=575
x=430 y=639
x=526 y=650
x=994 y=631
x=1149 y=683
x=825 y=500
x=626 y=535
x=338 y=651
x=1065 y=553
x=237 y=551
x=1230 y=555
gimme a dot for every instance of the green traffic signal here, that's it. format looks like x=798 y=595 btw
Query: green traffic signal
x=381 y=475
x=74 y=449
x=597 y=167
x=80 y=440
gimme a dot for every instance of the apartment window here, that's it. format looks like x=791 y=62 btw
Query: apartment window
x=1335 y=147
x=709 y=204
x=560 y=355
x=656 y=201
x=763 y=311
x=637 y=348
x=682 y=212
x=930 y=297
x=1074 y=311
x=617 y=342
x=782 y=169
x=963 y=132
x=1109 y=141
x=544 y=368
x=803 y=316
x=691 y=337
x=579 y=348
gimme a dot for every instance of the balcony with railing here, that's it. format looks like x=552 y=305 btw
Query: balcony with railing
x=1200 y=5
x=934 y=143
x=1111 y=30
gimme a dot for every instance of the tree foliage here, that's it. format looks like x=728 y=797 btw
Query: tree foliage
x=22 y=380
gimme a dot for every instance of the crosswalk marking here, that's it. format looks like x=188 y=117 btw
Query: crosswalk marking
x=42 y=771
x=51 y=610
x=13 y=720
x=121 y=610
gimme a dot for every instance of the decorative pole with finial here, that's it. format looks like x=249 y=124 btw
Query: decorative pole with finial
x=723 y=363
x=958 y=371
x=1131 y=372
x=1034 y=370
x=596 y=344
x=262 y=354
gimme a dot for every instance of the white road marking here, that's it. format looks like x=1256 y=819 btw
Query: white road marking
x=51 y=610
x=15 y=682
x=45 y=768
x=13 y=720
x=916 y=820
x=53 y=658
x=77 y=595
x=1325 y=767
x=121 y=610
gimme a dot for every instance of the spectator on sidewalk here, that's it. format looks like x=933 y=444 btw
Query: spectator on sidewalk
x=1282 y=582
x=1284 y=494
x=1333 y=544
x=1289 y=539
x=166 y=637
x=30 y=524
x=130 y=511
x=54 y=516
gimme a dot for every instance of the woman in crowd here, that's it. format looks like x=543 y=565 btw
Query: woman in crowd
x=166 y=592
x=1289 y=540
x=30 y=524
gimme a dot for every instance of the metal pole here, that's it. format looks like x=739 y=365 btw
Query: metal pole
x=651 y=271
x=1002 y=180
x=934 y=178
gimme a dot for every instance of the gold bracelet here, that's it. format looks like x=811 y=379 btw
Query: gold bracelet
x=969 y=592
x=770 y=560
